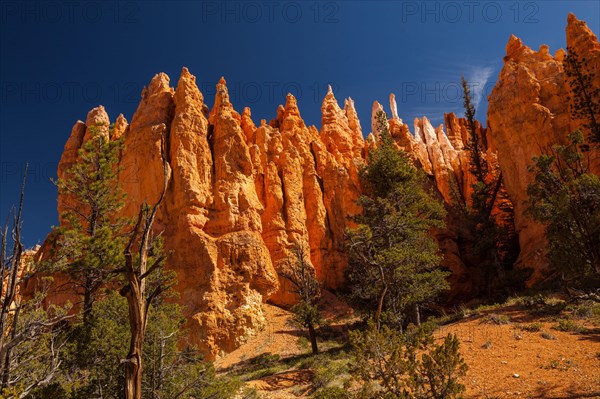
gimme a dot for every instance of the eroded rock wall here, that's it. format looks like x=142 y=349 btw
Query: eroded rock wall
x=242 y=194
x=239 y=199
x=529 y=112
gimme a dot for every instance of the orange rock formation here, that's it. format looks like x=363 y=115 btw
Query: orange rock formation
x=241 y=195
x=528 y=112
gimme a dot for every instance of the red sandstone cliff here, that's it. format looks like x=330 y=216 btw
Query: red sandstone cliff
x=528 y=112
x=240 y=197
x=243 y=194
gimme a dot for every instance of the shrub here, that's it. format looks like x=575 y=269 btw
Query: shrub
x=533 y=327
x=568 y=325
x=331 y=393
x=496 y=319
x=441 y=368
x=586 y=310
x=562 y=364
x=389 y=365
x=327 y=373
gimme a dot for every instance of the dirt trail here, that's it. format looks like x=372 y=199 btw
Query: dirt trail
x=279 y=337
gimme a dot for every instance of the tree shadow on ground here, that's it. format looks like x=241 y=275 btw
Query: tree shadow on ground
x=267 y=360
x=285 y=379
x=547 y=392
x=590 y=334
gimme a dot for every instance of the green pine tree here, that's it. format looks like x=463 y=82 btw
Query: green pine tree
x=565 y=197
x=479 y=222
x=585 y=95
x=90 y=244
x=393 y=258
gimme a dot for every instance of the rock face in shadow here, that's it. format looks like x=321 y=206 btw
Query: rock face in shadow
x=528 y=113
x=242 y=194
x=442 y=153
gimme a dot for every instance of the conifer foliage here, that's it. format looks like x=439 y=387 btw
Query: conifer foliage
x=392 y=365
x=92 y=239
x=492 y=245
x=393 y=258
x=306 y=285
x=565 y=195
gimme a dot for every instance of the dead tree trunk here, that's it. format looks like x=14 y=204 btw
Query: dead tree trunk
x=11 y=271
x=134 y=293
x=138 y=300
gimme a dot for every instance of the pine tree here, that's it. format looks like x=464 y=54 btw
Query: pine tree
x=90 y=244
x=393 y=365
x=304 y=280
x=585 y=96
x=565 y=195
x=477 y=163
x=480 y=222
x=393 y=259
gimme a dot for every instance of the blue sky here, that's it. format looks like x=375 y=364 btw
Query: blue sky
x=58 y=60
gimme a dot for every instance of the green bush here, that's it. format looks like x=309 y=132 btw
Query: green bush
x=586 y=310
x=331 y=393
x=568 y=325
x=392 y=365
x=496 y=319
x=533 y=327
x=327 y=373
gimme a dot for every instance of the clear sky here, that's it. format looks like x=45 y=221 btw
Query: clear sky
x=60 y=59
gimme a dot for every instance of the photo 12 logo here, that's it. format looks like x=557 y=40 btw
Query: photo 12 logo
x=69 y=12
x=441 y=92
x=237 y=12
x=37 y=172
x=470 y=11
x=243 y=94
x=69 y=92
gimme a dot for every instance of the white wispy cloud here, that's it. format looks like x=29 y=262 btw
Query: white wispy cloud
x=478 y=79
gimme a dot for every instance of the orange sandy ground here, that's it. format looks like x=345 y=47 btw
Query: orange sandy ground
x=567 y=367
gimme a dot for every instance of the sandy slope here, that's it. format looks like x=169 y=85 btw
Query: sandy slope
x=565 y=367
